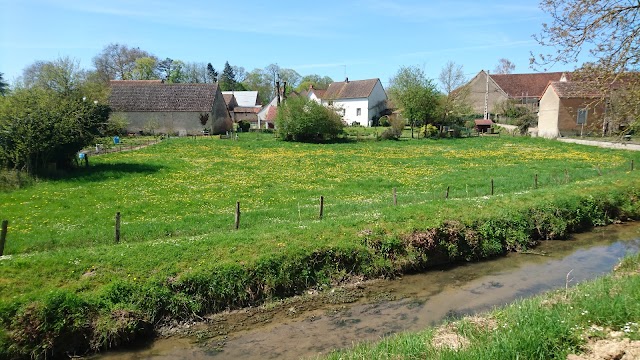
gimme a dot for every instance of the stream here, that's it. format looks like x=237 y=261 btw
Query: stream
x=315 y=324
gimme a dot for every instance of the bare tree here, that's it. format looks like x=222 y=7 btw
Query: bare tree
x=505 y=66
x=454 y=103
x=117 y=61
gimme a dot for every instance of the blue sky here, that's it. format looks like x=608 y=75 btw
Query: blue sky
x=361 y=38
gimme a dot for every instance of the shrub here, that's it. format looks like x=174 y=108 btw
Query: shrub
x=395 y=130
x=244 y=125
x=301 y=119
x=429 y=131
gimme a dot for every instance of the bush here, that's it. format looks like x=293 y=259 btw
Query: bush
x=39 y=128
x=395 y=130
x=244 y=125
x=301 y=119
x=429 y=131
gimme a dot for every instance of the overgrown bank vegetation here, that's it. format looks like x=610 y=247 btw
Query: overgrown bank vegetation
x=65 y=287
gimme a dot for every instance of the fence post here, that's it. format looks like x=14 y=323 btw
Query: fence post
x=566 y=176
x=599 y=172
x=118 y=227
x=631 y=165
x=237 y=215
x=3 y=235
x=447 y=195
x=395 y=197
x=321 y=206
x=535 y=181
x=491 y=187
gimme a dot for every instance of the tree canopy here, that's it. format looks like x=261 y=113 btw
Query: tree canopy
x=415 y=94
x=301 y=119
x=505 y=66
x=4 y=87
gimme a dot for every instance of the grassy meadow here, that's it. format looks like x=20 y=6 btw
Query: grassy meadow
x=179 y=254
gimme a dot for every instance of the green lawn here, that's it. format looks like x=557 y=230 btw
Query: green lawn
x=180 y=255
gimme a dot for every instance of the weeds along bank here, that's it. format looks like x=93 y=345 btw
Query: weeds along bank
x=77 y=299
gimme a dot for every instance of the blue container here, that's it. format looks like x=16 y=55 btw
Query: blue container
x=116 y=140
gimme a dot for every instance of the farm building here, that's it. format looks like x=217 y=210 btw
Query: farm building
x=184 y=109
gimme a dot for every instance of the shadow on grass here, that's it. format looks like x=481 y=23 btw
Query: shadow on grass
x=102 y=172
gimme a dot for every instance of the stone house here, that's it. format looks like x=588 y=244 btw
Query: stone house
x=569 y=109
x=525 y=89
x=156 y=107
x=359 y=102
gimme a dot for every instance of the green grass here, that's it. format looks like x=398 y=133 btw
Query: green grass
x=550 y=326
x=179 y=254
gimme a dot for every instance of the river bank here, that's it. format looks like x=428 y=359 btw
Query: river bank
x=319 y=322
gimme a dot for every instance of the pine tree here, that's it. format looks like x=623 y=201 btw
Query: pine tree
x=228 y=78
x=212 y=74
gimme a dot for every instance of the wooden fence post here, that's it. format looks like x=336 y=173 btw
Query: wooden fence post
x=395 y=197
x=237 y=215
x=566 y=176
x=631 y=165
x=3 y=235
x=117 y=227
x=599 y=172
x=447 y=195
x=492 y=187
x=321 y=206
x=535 y=181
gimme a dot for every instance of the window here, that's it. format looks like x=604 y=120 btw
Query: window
x=582 y=116
x=358 y=111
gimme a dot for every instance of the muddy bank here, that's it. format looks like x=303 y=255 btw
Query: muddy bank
x=317 y=323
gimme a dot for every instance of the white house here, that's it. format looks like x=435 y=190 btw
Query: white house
x=359 y=102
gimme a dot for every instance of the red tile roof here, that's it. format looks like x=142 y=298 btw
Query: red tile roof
x=483 y=122
x=126 y=96
x=271 y=113
x=525 y=85
x=574 y=89
x=350 y=89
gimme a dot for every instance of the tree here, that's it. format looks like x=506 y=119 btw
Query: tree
x=117 y=61
x=608 y=32
x=212 y=74
x=505 y=66
x=228 y=78
x=301 y=119
x=4 y=87
x=39 y=127
x=145 y=69
x=177 y=73
x=415 y=94
x=454 y=103
x=240 y=73
x=164 y=68
x=62 y=75
x=291 y=77
x=317 y=81
x=258 y=80
x=196 y=73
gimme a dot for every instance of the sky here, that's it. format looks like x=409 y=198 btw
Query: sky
x=358 y=39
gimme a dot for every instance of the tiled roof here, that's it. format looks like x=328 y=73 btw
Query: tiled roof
x=127 y=96
x=247 y=109
x=271 y=113
x=320 y=92
x=483 y=122
x=135 y=82
x=525 y=85
x=350 y=89
x=574 y=89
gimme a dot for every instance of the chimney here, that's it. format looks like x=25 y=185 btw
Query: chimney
x=310 y=87
x=346 y=79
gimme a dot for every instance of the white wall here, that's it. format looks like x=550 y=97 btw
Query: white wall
x=369 y=107
x=548 y=114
